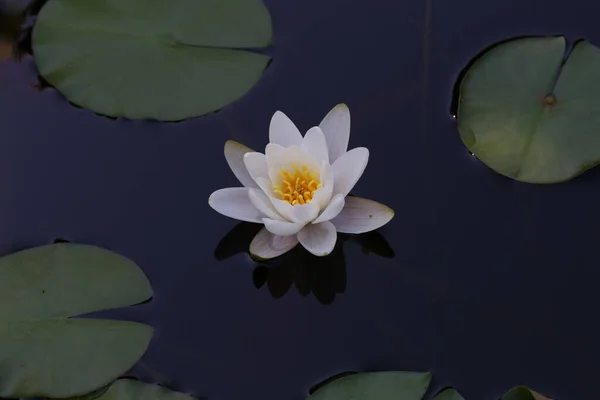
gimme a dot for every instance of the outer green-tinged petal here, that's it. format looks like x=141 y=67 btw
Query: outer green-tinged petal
x=314 y=144
x=282 y=131
x=235 y=203
x=348 y=169
x=376 y=386
x=47 y=353
x=336 y=127
x=448 y=394
x=129 y=389
x=319 y=239
x=265 y=245
x=234 y=154
x=332 y=210
x=282 y=228
x=362 y=215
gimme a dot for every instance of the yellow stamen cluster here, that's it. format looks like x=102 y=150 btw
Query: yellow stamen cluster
x=297 y=187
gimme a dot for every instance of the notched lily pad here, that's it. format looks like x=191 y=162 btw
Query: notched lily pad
x=529 y=117
x=45 y=352
x=129 y=389
x=389 y=385
x=165 y=60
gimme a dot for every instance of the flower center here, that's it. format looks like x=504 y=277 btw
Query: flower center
x=297 y=187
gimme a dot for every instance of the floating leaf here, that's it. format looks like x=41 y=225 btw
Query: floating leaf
x=448 y=394
x=523 y=393
x=376 y=385
x=162 y=59
x=45 y=352
x=129 y=389
x=528 y=117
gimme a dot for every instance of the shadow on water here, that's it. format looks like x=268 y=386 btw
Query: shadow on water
x=11 y=20
x=324 y=277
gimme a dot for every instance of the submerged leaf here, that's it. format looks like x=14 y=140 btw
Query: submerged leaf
x=47 y=353
x=527 y=116
x=161 y=60
x=448 y=394
x=129 y=389
x=523 y=393
x=389 y=385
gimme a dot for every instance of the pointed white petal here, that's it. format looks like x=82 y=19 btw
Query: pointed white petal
x=319 y=239
x=348 y=169
x=234 y=154
x=265 y=185
x=282 y=131
x=336 y=127
x=282 y=228
x=256 y=165
x=362 y=215
x=333 y=209
x=323 y=195
x=235 y=203
x=284 y=208
x=305 y=213
x=314 y=144
x=265 y=245
x=262 y=203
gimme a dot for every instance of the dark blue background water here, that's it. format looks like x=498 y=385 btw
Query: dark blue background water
x=493 y=282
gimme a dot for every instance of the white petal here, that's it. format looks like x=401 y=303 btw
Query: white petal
x=333 y=209
x=323 y=195
x=314 y=144
x=234 y=154
x=282 y=228
x=279 y=157
x=235 y=203
x=262 y=203
x=265 y=245
x=265 y=185
x=256 y=165
x=302 y=213
x=336 y=127
x=282 y=131
x=348 y=169
x=319 y=239
x=362 y=215
x=305 y=213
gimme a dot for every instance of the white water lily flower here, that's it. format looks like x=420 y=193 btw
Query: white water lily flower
x=298 y=188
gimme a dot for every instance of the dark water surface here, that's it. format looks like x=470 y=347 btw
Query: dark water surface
x=492 y=282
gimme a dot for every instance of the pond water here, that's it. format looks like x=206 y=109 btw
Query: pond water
x=486 y=282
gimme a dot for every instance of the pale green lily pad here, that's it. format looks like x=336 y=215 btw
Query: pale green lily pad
x=508 y=120
x=129 y=389
x=523 y=393
x=47 y=353
x=389 y=385
x=448 y=394
x=162 y=59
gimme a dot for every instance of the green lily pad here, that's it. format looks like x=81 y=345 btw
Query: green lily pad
x=448 y=394
x=47 y=353
x=162 y=59
x=389 y=385
x=523 y=393
x=527 y=116
x=129 y=389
